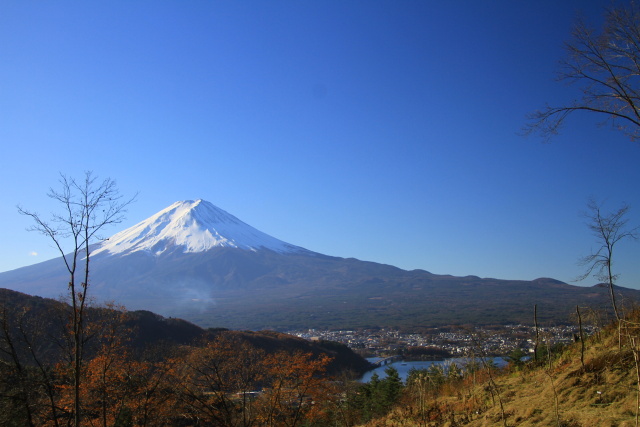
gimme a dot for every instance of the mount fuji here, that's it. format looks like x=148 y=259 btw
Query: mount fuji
x=196 y=261
x=191 y=227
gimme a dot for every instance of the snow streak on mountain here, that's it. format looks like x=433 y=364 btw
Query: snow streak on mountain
x=191 y=226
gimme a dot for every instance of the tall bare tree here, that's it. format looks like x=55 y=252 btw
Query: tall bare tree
x=86 y=207
x=605 y=65
x=608 y=229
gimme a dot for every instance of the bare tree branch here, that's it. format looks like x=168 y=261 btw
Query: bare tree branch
x=606 y=67
x=88 y=206
x=608 y=229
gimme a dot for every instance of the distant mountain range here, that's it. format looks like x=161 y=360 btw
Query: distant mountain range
x=195 y=261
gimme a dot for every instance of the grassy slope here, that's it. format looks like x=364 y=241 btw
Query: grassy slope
x=603 y=394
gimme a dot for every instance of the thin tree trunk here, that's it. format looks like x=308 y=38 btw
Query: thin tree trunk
x=20 y=371
x=612 y=293
x=535 y=322
x=553 y=386
x=494 y=388
x=581 y=337
x=637 y=363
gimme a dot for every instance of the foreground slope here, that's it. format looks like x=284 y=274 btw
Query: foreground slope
x=558 y=390
x=195 y=261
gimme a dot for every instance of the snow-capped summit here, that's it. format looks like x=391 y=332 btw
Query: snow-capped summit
x=191 y=226
x=183 y=262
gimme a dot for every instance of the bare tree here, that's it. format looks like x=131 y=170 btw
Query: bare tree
x=87 y=206
x=608 y=229
x=606 y=67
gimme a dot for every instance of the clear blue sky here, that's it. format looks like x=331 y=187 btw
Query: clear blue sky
x=382 y=130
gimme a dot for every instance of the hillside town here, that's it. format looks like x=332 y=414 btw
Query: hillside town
x=497 y=341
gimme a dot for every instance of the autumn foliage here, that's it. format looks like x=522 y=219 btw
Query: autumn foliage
x=223 y=381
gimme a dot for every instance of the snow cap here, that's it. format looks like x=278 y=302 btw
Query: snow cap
x=193 y=226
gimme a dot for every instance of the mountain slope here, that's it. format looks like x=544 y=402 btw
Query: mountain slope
x=191 y=226
x=195 y=261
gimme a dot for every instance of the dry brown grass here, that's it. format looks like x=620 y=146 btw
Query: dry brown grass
x=603 y=394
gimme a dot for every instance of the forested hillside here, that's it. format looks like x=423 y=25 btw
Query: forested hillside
x=142 y=369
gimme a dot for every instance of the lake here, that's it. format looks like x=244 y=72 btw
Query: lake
x=403 y=367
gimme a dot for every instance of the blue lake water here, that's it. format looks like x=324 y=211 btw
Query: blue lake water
x=403 y=367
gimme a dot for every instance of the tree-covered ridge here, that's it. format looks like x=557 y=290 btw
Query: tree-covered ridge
x=143 y=369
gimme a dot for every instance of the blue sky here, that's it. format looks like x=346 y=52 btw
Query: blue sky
x=387 y=131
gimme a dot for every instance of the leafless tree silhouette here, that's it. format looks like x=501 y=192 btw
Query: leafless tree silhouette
x=87 y=206
x=605 y=66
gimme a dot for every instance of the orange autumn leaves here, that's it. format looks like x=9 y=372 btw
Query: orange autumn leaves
x=227 y=382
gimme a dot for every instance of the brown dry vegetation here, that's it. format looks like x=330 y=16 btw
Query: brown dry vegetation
x=604 y=393
x=248 y=378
